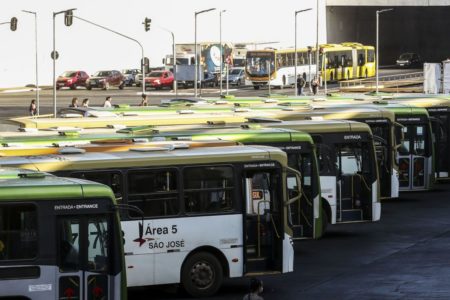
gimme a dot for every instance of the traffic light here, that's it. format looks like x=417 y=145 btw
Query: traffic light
x=68 y=17
x=13 y=24
x=147 y=23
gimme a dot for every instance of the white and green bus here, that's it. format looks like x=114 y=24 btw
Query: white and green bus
x=60 y=238
x=209 y=213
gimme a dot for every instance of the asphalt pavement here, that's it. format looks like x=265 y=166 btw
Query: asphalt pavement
x=404 y=256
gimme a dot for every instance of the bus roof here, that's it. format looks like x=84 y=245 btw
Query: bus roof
x=89 y=160
x=324 y=126
x=20 y=185
x=342 y=113
x=246 y=134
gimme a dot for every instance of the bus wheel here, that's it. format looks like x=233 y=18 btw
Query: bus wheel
x=331 y=76
x=202 y=275
x=367 y=75
x=256 y=87
x=284 y=80
x=348 y=75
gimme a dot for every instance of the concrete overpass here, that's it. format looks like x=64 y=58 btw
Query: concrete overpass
x=419 y=26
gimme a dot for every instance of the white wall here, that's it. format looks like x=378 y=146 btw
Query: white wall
x=84 y=47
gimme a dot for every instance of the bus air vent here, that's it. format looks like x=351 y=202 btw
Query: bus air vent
x=35 y=175
x=71 y=150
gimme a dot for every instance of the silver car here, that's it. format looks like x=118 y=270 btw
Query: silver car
x=236 y=76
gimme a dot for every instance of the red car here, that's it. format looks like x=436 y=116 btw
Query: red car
x=159 y=79
x=72 y=79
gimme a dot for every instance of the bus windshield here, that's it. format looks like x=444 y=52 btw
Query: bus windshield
x=258 y=63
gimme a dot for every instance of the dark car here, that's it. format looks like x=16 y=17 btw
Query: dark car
x=209 y=80
x=409 y=60
x=106 y=79
x=130 y=76
x=72 y=79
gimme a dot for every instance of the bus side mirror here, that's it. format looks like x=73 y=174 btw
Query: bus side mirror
x=293 y=186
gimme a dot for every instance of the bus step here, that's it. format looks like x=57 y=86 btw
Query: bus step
x=258 y=264
x=352 y=215
x=347 y=203
x=297 y=230
x=250 y=249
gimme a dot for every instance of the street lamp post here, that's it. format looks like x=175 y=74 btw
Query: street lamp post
x=36 y=56
x=221 y=52
x=174 y=58
x=295 y=48
x=377 y=43
x=54 y=57
x=195 y=42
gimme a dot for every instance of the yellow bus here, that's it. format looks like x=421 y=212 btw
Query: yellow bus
x=344 y=61
x=347 y=61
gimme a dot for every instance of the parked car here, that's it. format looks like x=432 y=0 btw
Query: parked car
x=72 y=79
x=209 y=80
x=106 y=79
x=409 y=60
x=130 y=76
x=159 y=79
x=236 y=76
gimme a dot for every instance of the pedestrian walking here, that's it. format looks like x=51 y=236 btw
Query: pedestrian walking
x=301 y=82
x=144 y=101
x=256 y=288
x=107 y=102
x=33 y=108
x=315 y=85
x=74 y=102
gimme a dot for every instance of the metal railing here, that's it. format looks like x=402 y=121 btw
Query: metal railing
x=394 y=81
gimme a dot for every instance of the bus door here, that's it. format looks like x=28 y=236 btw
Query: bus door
x=264 y=221
x=441 y=132
x=354 y=184
x=412 y=159
x=84 y=261
x=302 y=214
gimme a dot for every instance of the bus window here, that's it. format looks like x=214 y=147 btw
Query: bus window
x=361 y=58
x=370 y=56
x=98 y=244
x=113 y=179
x=326 y=159
x=69 y=245
x=155 y=192
x=419 y=140
x=208 y=189
x=404 y=148
x=18 y=232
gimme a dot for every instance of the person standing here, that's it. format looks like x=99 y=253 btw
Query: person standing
x=256 y=288
x=107 y=102
x=33 y=108
x=85 y=102
x=144 y=101
x=314 y=85
x=301 y=82
x=74 y=102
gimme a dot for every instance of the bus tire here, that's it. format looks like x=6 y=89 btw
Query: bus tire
x=348 y=75
x=202 y=274
x=331 y=76
x=326 y=215
x=366 y=75
x=284 y=80
x=256 y=87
